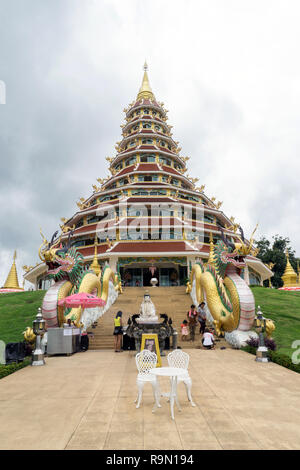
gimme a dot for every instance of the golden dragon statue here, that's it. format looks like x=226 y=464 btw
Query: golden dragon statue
x=229 y=299
x=65 y=267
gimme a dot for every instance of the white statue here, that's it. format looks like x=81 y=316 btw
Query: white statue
x=147 y=310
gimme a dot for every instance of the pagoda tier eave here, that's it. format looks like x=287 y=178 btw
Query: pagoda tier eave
x=139 y=200
x=146 y=103
x=129 y=152
x=146 y=133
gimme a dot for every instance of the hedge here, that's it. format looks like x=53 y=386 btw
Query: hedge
x=274 y=356
x=11 y=368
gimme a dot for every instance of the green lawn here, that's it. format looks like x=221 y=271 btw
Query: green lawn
x=17 y=311
x=284 y=309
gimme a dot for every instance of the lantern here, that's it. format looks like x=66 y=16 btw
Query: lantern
x=38 y=328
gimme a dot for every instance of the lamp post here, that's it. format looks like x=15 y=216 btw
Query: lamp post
x=38 y=329
x=260 y=325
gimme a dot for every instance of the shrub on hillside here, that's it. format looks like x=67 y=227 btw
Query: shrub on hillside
x=280 y=359
x=11 y=368
x=269 y=343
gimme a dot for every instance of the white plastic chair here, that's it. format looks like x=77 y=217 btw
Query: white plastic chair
x=178 y=358
x=145 y=361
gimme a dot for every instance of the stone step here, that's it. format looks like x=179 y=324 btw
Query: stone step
x=170 y=300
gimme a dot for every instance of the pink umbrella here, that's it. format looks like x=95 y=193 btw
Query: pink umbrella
x=82 y=299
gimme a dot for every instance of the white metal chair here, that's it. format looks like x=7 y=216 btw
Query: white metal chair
x=145 y=361
x=178 y=358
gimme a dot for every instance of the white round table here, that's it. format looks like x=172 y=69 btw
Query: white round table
x=172 y=372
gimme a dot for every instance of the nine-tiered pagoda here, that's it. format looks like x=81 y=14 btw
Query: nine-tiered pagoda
x=148 y=218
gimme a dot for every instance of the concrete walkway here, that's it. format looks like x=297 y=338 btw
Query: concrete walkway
x=86 y=402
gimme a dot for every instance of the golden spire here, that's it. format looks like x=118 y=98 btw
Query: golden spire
x=211 y=260
x=145 y=90
x=289 y=276
x=95 y=265
x=12 y=278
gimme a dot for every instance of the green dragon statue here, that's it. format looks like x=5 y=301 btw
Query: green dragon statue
x=65 y=267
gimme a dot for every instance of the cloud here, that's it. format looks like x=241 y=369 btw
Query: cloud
x=228 y=73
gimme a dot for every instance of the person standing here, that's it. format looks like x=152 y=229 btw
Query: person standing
x=118 y=331
x=192 y=321
x=202 y=317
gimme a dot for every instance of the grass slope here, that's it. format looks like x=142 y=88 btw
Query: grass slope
x=17 y=311
x=284 y=309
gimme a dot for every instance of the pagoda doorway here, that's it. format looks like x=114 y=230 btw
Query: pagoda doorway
x=147 y=276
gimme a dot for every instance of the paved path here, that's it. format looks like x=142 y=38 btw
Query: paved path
x=86 y=402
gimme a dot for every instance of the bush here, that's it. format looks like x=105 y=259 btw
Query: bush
x=280 y=359
x=11 y=368
x=269 y=343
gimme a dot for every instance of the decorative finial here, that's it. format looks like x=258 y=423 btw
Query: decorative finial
x=145 y=91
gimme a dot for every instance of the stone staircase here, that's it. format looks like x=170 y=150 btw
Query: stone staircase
x=170 y=300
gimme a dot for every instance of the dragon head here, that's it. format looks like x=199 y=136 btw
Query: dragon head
x=62 y=262
x=225 y=254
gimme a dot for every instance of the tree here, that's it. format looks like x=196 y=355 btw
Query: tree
x=276 y=253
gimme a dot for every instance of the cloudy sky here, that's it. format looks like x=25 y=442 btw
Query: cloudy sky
x=228 y=71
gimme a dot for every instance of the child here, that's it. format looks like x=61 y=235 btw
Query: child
x=184 y=330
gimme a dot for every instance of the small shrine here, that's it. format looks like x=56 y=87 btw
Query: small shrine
x=12 y=283
x=146 y=322
x=289 y=277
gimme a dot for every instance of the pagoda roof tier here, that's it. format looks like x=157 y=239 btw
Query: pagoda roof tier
x=148 y=103
x=145 y=133
x=154 y=119
x=155 y=170
x=161 y=150
x=153 y=247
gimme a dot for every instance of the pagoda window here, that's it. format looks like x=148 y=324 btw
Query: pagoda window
x=146 y=125
x=137 y=112
x=154 y=113
x=169 y=147
x=131 y=212
x=130 y=161
x=157 y=128
x=176 y=182
x=165 y=161
x=209 y=219
x=93 y=219
x=135 y=128
x=147 y=141
x=132 y=143
x=139 y=193
x=146 y=111
x=148 y=178
x=79 y=223
x=148 y=158
x=166 y=213
x=162 y=143
x=160 y=192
